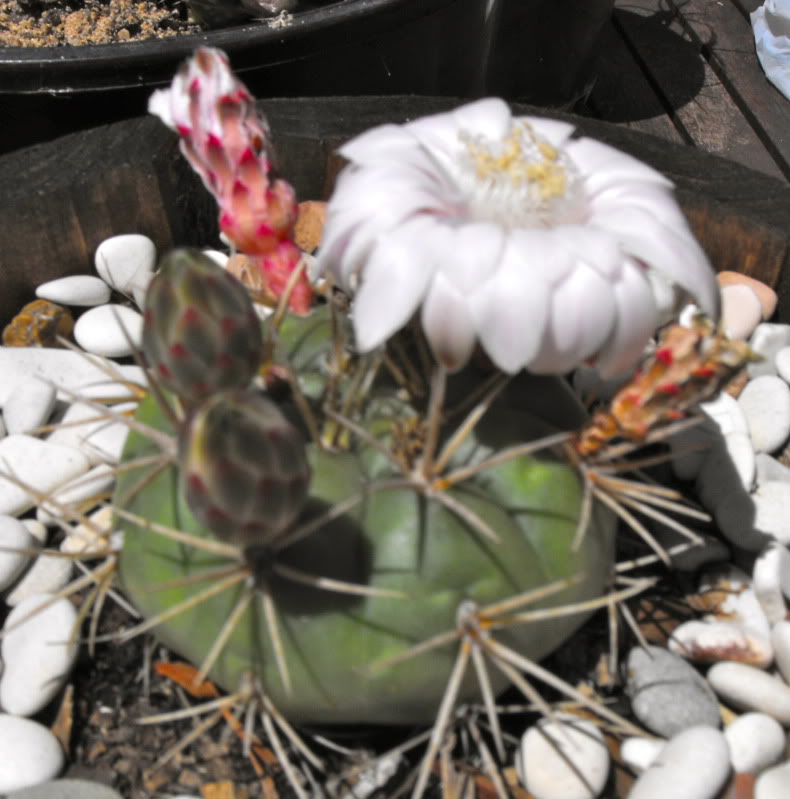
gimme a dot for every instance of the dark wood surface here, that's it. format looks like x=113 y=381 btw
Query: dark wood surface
x=687 y=71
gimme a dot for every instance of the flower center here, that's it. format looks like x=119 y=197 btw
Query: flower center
x=521 y=180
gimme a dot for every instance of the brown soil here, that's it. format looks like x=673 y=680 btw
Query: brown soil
x=46 y=23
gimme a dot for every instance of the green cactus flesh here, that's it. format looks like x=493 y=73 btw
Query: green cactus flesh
x=392 y=539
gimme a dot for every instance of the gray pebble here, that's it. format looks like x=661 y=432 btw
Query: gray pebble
x=66 y=789
x=667 y=694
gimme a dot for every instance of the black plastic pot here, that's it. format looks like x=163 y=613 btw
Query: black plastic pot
x=350 y=47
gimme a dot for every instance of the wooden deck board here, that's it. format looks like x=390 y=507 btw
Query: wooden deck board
x=686 y=70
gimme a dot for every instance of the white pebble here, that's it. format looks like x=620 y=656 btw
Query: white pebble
x=31 y=754
x=28 y=406
x=751 y=522
x=694 y=764
x=748 y=688
x=38 y=652
x=780 y=638
x=80 y=290
x=767 y=339
x=782 y=364
x=774 y=783
x=768 y=468
x=47 y=575
x=771 y=581
x=731 y=598
x=130 y=377
x=92 y=538
x=563 y=759
x=640 y=753
x=765 y=402
x=101 y=440
x=741 y=311
x=64 y=368
x=14 y=537
x=728 y=468
x=710 y=642
x=96 y=482
x=219 y=258
x=113 y=331
x=36 y=529
x=119 y=259
x=39 y=464
x=756 y=741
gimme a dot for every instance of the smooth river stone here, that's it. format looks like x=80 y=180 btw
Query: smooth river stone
x=773 y=783
x=741 y=311
x=68 y=789
x=47 y=575
x=753 y=521
x=38 y=464
x=748 y=688
x=756 y=741
x=97 y=481
x=29 y=405
x=14 y=537
x=767 y=340
x=112 y=331
x=119 y=259
x=710 y=642
x=766 y=405
x=640 y=753
x=782 y=363
x=771 y=581
x=38 y=653
x=99 y=440
x=563 y=759
x=767 y=296
x=769 y=468
x=694 y=764
x=667 y=694
x=61 y=367
x=729 y=596
x=31 y=754
x=780 y=638
x=79 y=290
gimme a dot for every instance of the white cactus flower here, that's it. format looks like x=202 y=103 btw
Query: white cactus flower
x=548 y=250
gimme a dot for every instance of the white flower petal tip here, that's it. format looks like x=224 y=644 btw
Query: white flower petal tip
x=548 y=250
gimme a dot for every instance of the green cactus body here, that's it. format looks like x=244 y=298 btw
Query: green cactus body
x=201 y=331
x=398 y=539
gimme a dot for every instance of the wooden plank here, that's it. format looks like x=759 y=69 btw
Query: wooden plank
x=702 y=106
x=725 y=35
x=623 y=94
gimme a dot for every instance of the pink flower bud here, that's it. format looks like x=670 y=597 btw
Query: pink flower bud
x=227 y=143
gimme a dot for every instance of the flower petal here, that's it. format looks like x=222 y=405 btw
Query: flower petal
x=395 y=281
x=448 y=324
x=489 y=118
x=368 y=146
x=602 y=166
x=475 y=255
x=554 y=131
x=636 y=322
x=673 y=251
x=510 y=311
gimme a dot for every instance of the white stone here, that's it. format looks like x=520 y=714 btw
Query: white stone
x=14 y=539
x=748 y=688
x=726 y=414
x=741 y=311
x=37 y=530
x=751 y=522
x=119 y=259
x=728 y=467
x=767 y=339
x=92 y=538
x=64 y=368
x=130 y=379
x=640 y=753
x=768 y=468
x=38 y=464
x=80 y=290
x=139 y=287
x=76 y=493
x=771 y=581
x=765 y=402
x=39 y=649
x=3 y=431
x=780 y=638
x=736 y=599
x=101 y=440
x=694 y=764
x=29 y=405
x=773 y=783
x=710 y=642
x=47 y=575
x=113 y=331
x=219 y=258
x=31 y=754
x=563 y=759
x=756 y=741
x=709 y=550
x=782 y=364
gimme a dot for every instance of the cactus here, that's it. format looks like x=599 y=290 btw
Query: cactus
x=201 y=332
